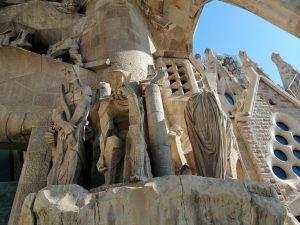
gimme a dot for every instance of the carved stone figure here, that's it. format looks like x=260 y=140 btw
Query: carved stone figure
x=21 y=38
x=68 y=156
x=66 y=46
x=208 y=129
x=123 y=148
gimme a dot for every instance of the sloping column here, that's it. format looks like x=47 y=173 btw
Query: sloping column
x=34 y=173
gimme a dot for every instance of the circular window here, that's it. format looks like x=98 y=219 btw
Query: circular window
x=282 y=126
x=297 y=138
x=229 y=99
x=296 y=153
x=296 y=170
x=282 y=140
x=280 y=155
x=279 y=172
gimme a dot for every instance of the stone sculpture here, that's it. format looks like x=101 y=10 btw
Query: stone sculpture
x=123 y=148
x=68 y=156
x=208 y=129
x=21 y=38
x=66 y=46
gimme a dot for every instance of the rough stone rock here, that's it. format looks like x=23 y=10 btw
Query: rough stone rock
x=165 y=200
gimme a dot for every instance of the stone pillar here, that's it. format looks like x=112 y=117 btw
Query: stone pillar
x=34 y=173
x=121 y=34
x=160 y=153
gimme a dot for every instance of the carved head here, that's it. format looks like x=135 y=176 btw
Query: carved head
x=105 y=90
x=118 y=78
x=71 y=74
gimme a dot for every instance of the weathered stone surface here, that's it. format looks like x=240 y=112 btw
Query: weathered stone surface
x=166 y=200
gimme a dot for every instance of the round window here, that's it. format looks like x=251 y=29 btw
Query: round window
x=279 y=172
x=280 y=155
x=282 y=140
x=229 y=99
x=296 y=153
x=282 y=126
x=296 y=170
x=297 y=138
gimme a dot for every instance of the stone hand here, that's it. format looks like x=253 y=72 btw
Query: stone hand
x=68 y=128
x=49 y=138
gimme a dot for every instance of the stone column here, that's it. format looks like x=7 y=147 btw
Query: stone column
x=121 y=34
x=160 y=153
x=34 y=173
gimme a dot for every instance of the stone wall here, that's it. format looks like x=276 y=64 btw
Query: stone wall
x=257 y=133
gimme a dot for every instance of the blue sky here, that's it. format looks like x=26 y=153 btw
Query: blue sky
x=226 y=29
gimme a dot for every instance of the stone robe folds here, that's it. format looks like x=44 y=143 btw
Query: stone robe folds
x=208 y=130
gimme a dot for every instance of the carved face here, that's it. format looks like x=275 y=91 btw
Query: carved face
x=117 y=79
x=70 y=75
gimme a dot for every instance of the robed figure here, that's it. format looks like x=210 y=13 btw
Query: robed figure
x=210 y=133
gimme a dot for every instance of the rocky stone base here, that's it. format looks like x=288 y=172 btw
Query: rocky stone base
x=161 y=201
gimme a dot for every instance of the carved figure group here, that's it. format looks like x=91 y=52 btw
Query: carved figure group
x=123 y=155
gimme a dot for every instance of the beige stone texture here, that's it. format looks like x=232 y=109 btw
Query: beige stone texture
x=165 y=200
x=282 y=13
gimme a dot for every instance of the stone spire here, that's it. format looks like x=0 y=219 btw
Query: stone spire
x=289 y=76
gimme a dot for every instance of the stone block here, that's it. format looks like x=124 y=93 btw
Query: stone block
x=165 y=200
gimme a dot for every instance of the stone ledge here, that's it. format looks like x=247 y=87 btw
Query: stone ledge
x=164 y=200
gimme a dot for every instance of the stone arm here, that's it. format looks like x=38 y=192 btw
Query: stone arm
x=83 y=107
x=60 y=122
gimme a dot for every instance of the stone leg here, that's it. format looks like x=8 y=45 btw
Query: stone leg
x=76 y=57
x=158 y=137
x=112 y=157
x=34 y=173
x=137 y=163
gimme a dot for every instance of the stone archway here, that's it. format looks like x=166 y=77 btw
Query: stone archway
x=282 y=13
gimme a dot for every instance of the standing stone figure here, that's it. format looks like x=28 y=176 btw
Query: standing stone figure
x=123 y=148
x=208 y=129
x=68 y=155
x=68 y=45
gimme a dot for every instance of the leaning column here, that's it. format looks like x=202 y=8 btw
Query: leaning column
x=158 y=137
